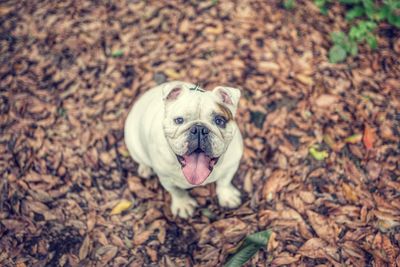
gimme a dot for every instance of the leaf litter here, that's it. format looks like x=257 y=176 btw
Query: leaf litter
x=69 y=73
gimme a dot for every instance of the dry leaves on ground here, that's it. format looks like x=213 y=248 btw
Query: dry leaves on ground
x=71 y=70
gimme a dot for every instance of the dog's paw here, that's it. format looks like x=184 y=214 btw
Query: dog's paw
x=228 y=196
x=183 y=206
x=145 y=171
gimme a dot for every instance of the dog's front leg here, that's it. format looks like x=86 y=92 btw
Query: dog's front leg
x=228 y=195
x=182 y=204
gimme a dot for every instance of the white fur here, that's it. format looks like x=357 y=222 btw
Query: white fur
x=153 y=139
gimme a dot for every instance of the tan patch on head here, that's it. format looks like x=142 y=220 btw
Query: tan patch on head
x=224 y=111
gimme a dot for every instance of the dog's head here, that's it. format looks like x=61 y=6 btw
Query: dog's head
x=199 y=125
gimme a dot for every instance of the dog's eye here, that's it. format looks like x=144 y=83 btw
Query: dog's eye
x=179 y=120
x=220 y=121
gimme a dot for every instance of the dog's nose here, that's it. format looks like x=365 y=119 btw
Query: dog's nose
x=199 y=130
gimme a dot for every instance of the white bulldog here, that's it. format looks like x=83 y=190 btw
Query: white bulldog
x=188 y=137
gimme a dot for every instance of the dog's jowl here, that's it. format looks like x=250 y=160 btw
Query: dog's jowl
x=188 y=137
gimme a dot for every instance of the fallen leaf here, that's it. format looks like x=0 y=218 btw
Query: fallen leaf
x=117 y=53
x=326 y=100
x=275 y=183
x=349 y=192
x=83 y=251
x=122 y=206
x=317 y=248
x=318 y=154
x=373 y=169
x=135 y=185
x=324 y=227
x=171 y=73
x=248 y=248
x=214 y=30
x=330 y=142
x=353 y=139
x=142 y=237
x=368 y=137
x=307 y=80
x=390 y=250
x=266 y=66
x=106 y=253
x=285 y=259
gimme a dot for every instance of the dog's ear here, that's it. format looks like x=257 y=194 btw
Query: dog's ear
x=228 y=96
x=173 y=90
x=171 y=93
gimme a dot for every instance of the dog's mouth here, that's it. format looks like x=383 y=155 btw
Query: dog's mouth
x=197 y=166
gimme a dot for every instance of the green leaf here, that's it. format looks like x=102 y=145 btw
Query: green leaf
x=318 y=155
x=383 y=13
x=353 y=49
x=322 y=4
x=289 y=4
x=249 y=247
x=371 y=41
x=353 y=139
x=355 y=12
x=117 y=53
x=324 y=10
x=337 y=54
x=338 y=38
x=355 y=33
x=368 y=4
x=350 y=1
x=208 y=213
x=394 y=20
x=370 y=25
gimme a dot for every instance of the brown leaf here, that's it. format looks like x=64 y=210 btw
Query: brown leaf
x=316 y=248
x=142 y=237
x=91 y=221
x=307 y=197
x=326 y=100
x=275 y=182
x=349 y=192
x=106 y=253
x=390 y=250
x=307 y=80
x=353 y=173
x=135 y=185
x=83 y=251
x=13 y=225
x=231 y=228
x=324 y=227
x=285 y=259
x=374 y=169
x=106 y=158
x=152 y=254
x=369 y=137
x=265 y=66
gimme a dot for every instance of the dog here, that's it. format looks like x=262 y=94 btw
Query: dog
x=188 y=137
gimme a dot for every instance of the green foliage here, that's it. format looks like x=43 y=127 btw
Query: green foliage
x=117 y=53
x=368 y=13
x=323 y=5
x=337 y=54
x=249 y=247
x=289 y=4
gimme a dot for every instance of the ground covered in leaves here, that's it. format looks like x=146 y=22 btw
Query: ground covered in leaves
x=70 y=71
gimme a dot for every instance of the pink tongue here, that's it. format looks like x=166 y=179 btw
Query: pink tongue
x=196 y=168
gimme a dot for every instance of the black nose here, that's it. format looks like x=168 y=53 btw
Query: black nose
x=199 y=130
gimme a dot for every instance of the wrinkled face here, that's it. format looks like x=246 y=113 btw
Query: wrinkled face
x=199 y=126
